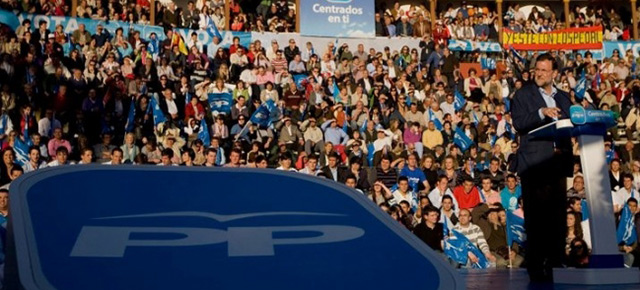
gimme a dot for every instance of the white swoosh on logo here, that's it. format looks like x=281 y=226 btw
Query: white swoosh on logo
x=218 y=217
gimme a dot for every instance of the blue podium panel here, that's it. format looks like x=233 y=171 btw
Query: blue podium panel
x=100 y=227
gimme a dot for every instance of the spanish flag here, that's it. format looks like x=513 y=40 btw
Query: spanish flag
x=176 y=40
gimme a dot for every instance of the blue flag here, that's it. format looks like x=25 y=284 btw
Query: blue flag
x=585 y=210
x=187 y=98
x=474 y=116
x=128 y=127
x=461 y=140
x=516 y=54
x=299 y=79
x=370 y=153
x=507 y=104
x=507 y=129
x=266 y=114
x=22 y=151
x=364 y=125
x=626 y=232
x=515 y=229
x=4 y=123
x=203 y=135
x=581 y=88
x=488 y=63
x=454 y=247
x=220 y=103
x=459 y=101
x=25 y=133
x=436 y=121
x=9 y=18
x=482 y=263
x=213 y=30
x=336 y=91
x=158 y=115
x=21 y=147
x=483 y=198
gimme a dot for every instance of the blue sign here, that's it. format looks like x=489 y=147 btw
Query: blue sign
x=337 y=18
x=220 y=103
x=156 y=235
x=70 y=24
x=581 y=116
x=469 y=45
x=622 y=47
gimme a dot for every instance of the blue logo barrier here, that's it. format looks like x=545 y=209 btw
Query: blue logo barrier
x=176 y=228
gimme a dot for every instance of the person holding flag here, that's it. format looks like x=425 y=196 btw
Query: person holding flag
x=626 y=233
x=462 y=140
x=479 y=254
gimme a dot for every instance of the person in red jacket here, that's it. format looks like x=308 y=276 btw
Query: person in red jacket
x=467 y=194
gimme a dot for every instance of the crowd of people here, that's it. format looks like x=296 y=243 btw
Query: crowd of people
x=382 y=122
x=479 y=23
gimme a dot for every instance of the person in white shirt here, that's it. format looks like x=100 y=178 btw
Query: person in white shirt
x=62 y=155
x=285 y=163
x=47 y=124
x=442 y=189
x=623 y=194
x=116 y=157
x=311 y=167
x=447 y=106
x=385 y=139
x=403 y=193
x=35 y=161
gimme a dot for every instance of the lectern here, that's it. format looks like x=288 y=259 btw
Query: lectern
x=606 y=263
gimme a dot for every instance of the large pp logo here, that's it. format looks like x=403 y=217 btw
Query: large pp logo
x=113 y=242
x=162 y=228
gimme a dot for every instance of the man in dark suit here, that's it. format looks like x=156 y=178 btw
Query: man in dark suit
x=543 y=165
x=333 y=171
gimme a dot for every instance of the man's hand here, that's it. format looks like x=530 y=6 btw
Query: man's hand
x=551 y=112
x=490 y=257
x=473 y=258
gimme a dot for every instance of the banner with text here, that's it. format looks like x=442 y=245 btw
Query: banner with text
x=337 y=18
x=70 y=24
x=468 y=46
x=571 y=38
x=622 y=47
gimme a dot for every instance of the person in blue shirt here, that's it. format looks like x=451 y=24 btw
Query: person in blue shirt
x=417 y=179
x=510 y=194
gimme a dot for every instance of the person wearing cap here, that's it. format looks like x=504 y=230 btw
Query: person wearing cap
x=355 y=150
x=291 y=135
